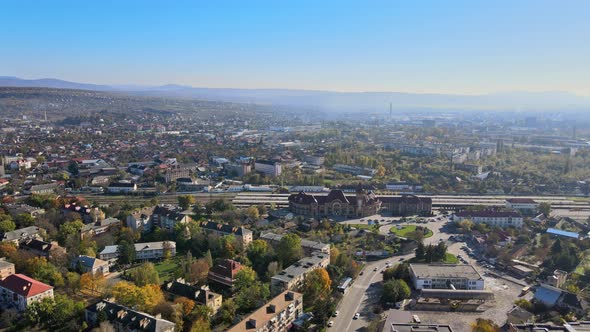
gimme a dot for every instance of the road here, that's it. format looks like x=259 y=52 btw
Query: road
x=361 y=295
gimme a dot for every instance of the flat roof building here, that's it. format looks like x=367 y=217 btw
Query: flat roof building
x=292 y=277
x=446 y=276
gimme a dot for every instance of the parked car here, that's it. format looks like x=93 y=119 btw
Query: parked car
x=357 y=315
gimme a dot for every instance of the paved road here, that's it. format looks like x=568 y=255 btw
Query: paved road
x=361 y=296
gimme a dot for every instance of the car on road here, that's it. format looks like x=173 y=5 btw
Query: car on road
x=357 y=315
x=402 y=259
x=375 y=270
x=330 y=323
x=336 y=313
x=362 y=272
x=416 y=319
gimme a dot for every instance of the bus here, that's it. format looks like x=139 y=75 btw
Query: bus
x=345 y=285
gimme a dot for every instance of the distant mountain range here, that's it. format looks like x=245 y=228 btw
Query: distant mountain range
x=336 y=101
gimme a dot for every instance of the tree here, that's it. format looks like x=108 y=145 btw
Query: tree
x=252 y=212
x=185 y=201
x=126 y=252
x=289 y=249
x=244 y=278
x=228 y=311
x=145 y=274
x=73 y=168
x=7 y=225
x=399 y=271
x=94 y=282
x=186 y=304
x=252 y=297
x=228 y=246
x=201 y=325
x=72 y=282
x=484 y=325
x=69 y=229
x=395 y=291
x=146 y=298
x=525 y=304
x=258 y=254
x=7 y=249
x=316 y=286
x=420 y=251
x=208 y=258
x=55 y=313
x=545 y=208
x=198 y=271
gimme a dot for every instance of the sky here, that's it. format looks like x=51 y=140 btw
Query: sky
x=451 y=46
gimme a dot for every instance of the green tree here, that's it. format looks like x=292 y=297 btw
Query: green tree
x=289 y=249
x=7 y=225
x=55 y=313
x=185 y=201
x=252 y=297
x=316 y=286
x=244 y=278
x=126 y=252
x=544 y=208
x=69 y=229
x=395 y=291
x=228 y=311
x=145 y=274
x=420 y=251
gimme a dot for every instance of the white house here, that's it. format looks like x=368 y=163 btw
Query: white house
x=19 y=291
x=522 y=204
x=492 y=218
x=443 y=276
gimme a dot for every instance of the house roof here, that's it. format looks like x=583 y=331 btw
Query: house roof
x=199 y=295
x=260 y=317
x=488 y=214
x=130 y=319
x=225 y=228
x=423 y=271
x=23 y=285
x=548 y=294
x=20 y=233
x=89 y=262
x=560 y=232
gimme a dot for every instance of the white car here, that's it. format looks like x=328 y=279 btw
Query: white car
x=336 y=313
x=330 y=323
x=356 y=316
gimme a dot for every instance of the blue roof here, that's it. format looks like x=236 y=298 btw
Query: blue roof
x=548 y=295
x=560 y=232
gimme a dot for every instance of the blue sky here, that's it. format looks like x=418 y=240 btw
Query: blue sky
x=449 y=46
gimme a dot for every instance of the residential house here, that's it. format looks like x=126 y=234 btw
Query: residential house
x=553 y=297
x=125 y=319
x=526 y=206
x=275 y=316
x=17 y=209
x=200 y=295
x=87 y=264
x=141 y=219
x=99 y=227
x=518 y=315
x=224 y=272
x=243 y=235
x=167 y=218
x=19 y=291
x=43 y=249
x=6 y=268
x=23 y=234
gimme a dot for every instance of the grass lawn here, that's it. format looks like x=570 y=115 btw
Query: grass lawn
x=166 y=269
x=408 y=229
x=451 y=259
x=374 y=228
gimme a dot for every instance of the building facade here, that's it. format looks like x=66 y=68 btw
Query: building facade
x=492 y=218
x=407 y=205
x=143 y=251
x=268 y=168
x=6 y=268
x=125 y=319
x=243 y=235
x=336 y=203
x=19 y=291
x=224 y=272
x=445 y=276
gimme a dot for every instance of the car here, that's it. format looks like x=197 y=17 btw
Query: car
x=357 y=315
x=336 y=313
x=362 y=272
x=416 y=319
x=375 y=270
x=330 y=323
x=401 y=259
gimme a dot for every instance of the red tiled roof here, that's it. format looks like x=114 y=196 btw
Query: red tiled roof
x=23 y=285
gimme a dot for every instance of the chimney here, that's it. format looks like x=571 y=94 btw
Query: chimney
x=271 y=309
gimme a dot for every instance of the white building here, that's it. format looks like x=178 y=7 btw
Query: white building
x=445 y=276
x=522 y=204
x=267 y=167
x=143 y=251
x=122 y=187
x=20 y=291
x=492 y=218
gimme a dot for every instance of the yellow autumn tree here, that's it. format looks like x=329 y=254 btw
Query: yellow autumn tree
x=146 y=298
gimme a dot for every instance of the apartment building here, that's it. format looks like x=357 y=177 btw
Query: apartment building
x=492 y=218
x=293 y=276
x=275 y=316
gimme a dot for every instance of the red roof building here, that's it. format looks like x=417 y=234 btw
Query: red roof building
x=19 y=291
